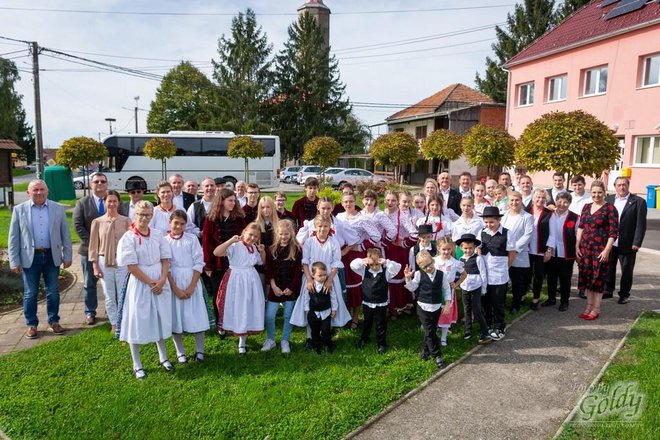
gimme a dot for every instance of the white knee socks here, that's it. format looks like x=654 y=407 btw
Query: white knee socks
x=199 y=342
x=242 y=341
x=162 y=351
x=178 y=344
x=443 y=337
x=135 y=355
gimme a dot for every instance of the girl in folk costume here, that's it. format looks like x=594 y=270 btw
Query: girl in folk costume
x=480 y=201
x=240 y=301
x=146 y=314
x=225 y=220
x=164 y=209
x=467 y=223
x=419 y=205
x=440 y=224
x=397 y=250
x=267 y=220
x=453 y=270
x=320 y=247
x=385 y=226
x=283 y=274
x=406 y=205
x=368 y=236
x=188 y=306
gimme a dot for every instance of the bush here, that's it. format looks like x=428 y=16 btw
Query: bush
x=327 y=191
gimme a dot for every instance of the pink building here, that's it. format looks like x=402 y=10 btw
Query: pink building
x=604 y=59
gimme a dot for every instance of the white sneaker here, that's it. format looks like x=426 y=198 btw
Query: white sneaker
x=268 y=345
x=285 y=347
x=443 y=343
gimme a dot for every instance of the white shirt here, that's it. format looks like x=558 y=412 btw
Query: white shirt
x=178 y=201
x=334 y=305
x=619 y=204
x=412 y=255
x=533 y=248
x=476 y=281
x=446 y=291
x=556 y=191
x=464 y=226
x=557 y=233
x=391 y=269
x=191 y=216
x=521 y=227
x=131 y=210
x=241 y=200
x=578 y=202
x=466 y=193
x=498 y=267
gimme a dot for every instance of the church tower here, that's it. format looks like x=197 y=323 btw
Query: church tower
x=321 y=13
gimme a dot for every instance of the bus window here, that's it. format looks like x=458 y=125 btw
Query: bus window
x=269 y=146
x=215 y=146
x=138 y=146
x=188 y=146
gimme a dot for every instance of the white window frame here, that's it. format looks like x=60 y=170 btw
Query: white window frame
x=562 y=81
x=644 y=78
x=529 y=94
x=597 y=71
x=655 y=140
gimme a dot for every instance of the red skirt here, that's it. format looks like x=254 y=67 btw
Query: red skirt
x=220 y=298
x=399 y=295
x=353 y=280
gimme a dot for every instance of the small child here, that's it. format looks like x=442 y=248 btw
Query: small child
x=241 y=303
x=430 y=287
x=424 y=243
x=320 y=305
x=473 y=286
x=453 y=270
x=501 y=198
x=375 y=294
x=188 y=305
x=499 y=249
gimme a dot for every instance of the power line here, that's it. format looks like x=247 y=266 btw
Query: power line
x=11 y=53
x=412 y=51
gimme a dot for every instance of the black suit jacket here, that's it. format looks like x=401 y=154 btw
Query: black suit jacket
x=550 y=199
x=454 y=201
x=632 y=223
x=188 y=199
x=123 y=208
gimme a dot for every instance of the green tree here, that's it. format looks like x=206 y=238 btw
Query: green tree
x=571 y=143
x=244 y=77
x=247 y=148
x=13 y=121
x=322 y=150
x=395 y=149
x=160 y=148
x=308 y=95
x=184 y=101
x=355 y=136
x=443 y=145
x=527 y=23
x=567 y=7
x=80 y=151
x=488 y=146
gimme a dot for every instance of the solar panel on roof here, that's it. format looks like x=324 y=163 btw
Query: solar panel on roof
x=607 y=3
x=625 y=8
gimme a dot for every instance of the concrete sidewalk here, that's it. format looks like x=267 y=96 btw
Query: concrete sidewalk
x=72 y=315
x=524 y=386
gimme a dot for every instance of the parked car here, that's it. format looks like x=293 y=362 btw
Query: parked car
x=31 y=167
x=307 y=171
x=82 y=182
x=333 y=170
x=289 y=174
x=352 y=175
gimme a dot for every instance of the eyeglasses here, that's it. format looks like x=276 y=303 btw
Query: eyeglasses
x=135 y=191
x=144 y=215
x=99 y=181
x=253 y=193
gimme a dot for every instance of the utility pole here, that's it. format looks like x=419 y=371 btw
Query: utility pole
x=110 y=121
x=38 y=140
x=137 y=98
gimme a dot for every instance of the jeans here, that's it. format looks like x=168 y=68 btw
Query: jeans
x=41 y=265
x=271 y=312
x=89 y=286
x=113 y=281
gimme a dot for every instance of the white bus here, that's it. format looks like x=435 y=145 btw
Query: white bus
x=199 y=154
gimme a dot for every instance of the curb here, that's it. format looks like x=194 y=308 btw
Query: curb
x=649 y=251
x=41 y=301
x=397 y=403
x=593 y=383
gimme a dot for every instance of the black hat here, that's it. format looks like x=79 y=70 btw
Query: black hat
x=468 y=238
x=220 y=181
x=492 y=211
x=424 y=229
x=133 y=185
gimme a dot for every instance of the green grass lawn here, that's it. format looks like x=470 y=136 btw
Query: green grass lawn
x=17 y=172
x=637 y=361
x=5 y=219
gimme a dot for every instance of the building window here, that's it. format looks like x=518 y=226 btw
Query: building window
x=557 y=88
x=647 y=151
x=595 y=81
x=651 y=71
x=420 y=132
x=525 y=94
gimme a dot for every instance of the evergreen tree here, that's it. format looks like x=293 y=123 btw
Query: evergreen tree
x=567 y=8
x=244 y=77
x=13 y=121
x=528 y=22
x=184 y=101
x=308 y=94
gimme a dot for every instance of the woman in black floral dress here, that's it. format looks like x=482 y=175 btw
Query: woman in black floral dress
x=599 y=227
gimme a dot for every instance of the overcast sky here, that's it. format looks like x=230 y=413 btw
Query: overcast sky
x=76 y=100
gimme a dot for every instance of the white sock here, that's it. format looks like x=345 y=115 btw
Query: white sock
x=162 y=350
x=242 y=341
x=309 y=332
x=443 y=337
x=135 y=355
x=178 y=344
x=199 y=342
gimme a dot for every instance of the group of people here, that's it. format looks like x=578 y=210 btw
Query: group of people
x=326 y=264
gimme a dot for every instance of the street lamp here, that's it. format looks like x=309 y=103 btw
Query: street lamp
x=110 y=121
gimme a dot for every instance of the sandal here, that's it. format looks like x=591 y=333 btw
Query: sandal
x=182 y=359
x=242 y=350
x=167 y=365
x=199 y=357
x=354 y=325
x=140 y=374
x=584 y=314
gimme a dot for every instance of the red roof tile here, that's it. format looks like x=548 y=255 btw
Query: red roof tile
x=453 y=93
x=586 y=25
x=8 y=144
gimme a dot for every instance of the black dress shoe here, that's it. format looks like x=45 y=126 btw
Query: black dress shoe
x=549 y=302
x=563 y=307
x=308 y=345
x=425 y=354
x=534 y=306
x=582 y=295
x=439 y=362
x=623 y=300
x=360 y=344
x=382 y=349
x=608 y=295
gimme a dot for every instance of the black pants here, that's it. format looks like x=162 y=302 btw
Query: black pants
x=321 y=330
x=627 y=262
x=493 y=303
x=472 y=306
x=559 y=269
x=538 y=273
x=379 y=315
x=429 y=322
x=519 y=284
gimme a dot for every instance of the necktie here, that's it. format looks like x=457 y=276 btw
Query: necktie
x=101 y=207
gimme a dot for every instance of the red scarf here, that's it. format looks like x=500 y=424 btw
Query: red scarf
x=135 y=230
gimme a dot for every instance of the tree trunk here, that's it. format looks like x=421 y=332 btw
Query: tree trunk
x=247 y=178
x=163 y=169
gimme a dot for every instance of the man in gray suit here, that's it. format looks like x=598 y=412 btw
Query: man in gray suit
x=39 y=242
x=87 y=209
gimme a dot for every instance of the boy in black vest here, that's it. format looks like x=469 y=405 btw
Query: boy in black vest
x=424 y=243
x=376 y=273
x=473 y=286
x=320 y=307
x=431 y=288
x=499 y=249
